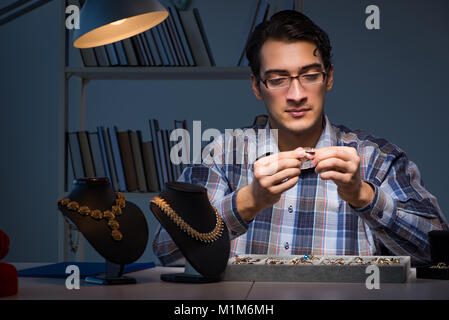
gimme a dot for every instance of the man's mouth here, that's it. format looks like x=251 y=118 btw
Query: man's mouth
x=297 y=112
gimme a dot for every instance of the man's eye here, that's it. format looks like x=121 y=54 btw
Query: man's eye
x=311 y=76
x=278 y=81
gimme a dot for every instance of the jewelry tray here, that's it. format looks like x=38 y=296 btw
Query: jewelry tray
x=316 y=268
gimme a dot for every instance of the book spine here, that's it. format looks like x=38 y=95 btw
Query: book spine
x=139 y=51
x=171 y=60
x=112 y=55
x=154 y=128
x=86 y=154
x=118 y=163
x=94 y=142
x=200 y=24
x=146 y=50
x=88 y=57
x=121 y=54
x=153 y=48
x=130 y=52
x=149 y=162
x=158 y=41
x=194 y=38
x=138 y=163
x=182 y=36
x=160 y=140
x=127 y=158
x=75 y=155
x=107 y=157
x=176 y=41
x=102 y=56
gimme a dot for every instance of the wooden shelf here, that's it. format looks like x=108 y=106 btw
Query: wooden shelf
x=161 y=73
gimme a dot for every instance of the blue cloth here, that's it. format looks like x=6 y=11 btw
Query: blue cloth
x=87 y=269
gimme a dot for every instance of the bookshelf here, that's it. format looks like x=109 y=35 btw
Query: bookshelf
x=160 y=73
x=87 y=74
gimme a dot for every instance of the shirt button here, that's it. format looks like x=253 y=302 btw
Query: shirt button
x=290 y=208
x=286 y=246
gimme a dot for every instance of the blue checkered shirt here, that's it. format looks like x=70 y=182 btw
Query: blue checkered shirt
x=310 y=218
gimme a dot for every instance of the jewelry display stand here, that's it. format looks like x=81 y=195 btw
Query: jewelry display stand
x=190 y=275
x=112 y=276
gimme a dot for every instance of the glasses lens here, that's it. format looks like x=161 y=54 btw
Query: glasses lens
x=312 y=78
x=279 y=82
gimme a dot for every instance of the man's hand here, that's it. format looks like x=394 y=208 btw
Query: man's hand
x=342 y=165
x=273 y=175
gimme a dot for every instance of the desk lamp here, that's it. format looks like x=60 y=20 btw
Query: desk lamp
x=106 y=21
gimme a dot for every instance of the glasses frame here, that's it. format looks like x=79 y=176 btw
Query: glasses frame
x=264 y=81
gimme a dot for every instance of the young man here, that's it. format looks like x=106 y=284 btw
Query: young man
x=354 y=195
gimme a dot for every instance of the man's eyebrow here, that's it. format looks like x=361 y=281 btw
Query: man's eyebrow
x=303 y=68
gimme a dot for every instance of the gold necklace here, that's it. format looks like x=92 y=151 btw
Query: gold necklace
x=184 y=226
x=109 y=215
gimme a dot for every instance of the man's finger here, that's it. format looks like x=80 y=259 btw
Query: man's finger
x=333 y=164
x=341 y=152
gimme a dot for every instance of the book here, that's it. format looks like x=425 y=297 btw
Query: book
x=112 y=55
x=88 y=57
x=138 y=163
x=182 y=36
x=140 y=53
x=102 y=56
x=86 y=154
x=154 y=128
x=108 y=160
x=176 y=41
x=146 y=49
x=160 y=30
x=164 y=167
x=118 y=164
x=185 y=144
x=121 y=53
x=167 y=148
x=151 y=43
x=127 y=159
x=199 y=22
x=75 y=155
x=194 y=38
x=149 y=162
x=96 y=154
x=130 y=52
x=160 y=46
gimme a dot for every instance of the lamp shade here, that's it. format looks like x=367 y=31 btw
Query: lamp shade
x=107 y=21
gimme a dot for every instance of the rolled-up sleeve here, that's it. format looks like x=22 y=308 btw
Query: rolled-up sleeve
x=403 y=211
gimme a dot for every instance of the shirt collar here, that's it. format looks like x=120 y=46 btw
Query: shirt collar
x=268 y=141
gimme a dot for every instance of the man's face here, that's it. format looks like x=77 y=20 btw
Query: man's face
x=298 y=108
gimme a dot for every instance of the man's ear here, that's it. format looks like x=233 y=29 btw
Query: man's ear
x=255 y=83
x=330 y=79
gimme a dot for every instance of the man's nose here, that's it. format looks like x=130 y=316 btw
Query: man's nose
x=296 y=91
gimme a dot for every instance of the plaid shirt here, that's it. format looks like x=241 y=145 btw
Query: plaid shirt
x=310 y=218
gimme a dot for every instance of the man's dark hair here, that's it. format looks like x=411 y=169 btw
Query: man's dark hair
x=288 y=26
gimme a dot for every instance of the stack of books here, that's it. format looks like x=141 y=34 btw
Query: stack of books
x=131 y=164
x=179 y=41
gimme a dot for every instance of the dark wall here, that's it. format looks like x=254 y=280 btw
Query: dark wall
x=388 y=82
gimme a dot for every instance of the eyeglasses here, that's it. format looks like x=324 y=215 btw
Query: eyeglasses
x=307 y=79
